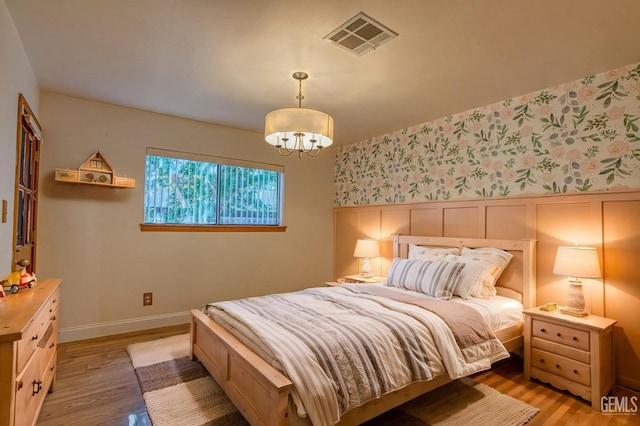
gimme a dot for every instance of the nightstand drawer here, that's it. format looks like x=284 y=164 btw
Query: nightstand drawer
x=561 y=334
x=560 y=349
x=561 y=366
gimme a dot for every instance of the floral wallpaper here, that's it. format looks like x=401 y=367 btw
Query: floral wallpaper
x=576 y=137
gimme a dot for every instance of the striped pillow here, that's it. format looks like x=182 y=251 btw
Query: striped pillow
x=431 y=277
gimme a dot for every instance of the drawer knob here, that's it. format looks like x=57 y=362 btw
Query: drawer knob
x=559 y=334
x=34 y=337
x=541 y=360
x=575 y=371
x=575 y=338
x=20 y=384
x=542 y=330
x=557 y=366
x=51 y=345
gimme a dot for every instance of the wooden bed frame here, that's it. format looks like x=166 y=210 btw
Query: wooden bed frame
x=261 y=393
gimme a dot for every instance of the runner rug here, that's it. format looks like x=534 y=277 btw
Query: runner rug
x=178 y=391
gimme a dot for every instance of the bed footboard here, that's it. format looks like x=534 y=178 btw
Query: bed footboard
x=259 y=391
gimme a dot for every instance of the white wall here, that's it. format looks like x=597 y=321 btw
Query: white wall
x=16 y=76
x=90 y=237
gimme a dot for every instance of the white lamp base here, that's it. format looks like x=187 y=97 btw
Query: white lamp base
x=575 y=301
x=367 y=272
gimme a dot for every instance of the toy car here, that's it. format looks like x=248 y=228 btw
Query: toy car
x=19 y=279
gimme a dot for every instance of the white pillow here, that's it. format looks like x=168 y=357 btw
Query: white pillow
x=475 y=278
x=431 y=277
x=499 y=258
x=430 y=253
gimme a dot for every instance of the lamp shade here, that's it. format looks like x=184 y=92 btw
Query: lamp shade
x=283 y=127
x=578 y=262
x=366 y=248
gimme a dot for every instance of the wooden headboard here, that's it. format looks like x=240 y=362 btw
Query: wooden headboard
x=518 y=281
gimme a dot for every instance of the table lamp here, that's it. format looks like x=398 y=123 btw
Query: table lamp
x=366 y=249
x=575 y=263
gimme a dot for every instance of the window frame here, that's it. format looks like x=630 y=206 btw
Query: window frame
x=181 y=227
x=27 y=177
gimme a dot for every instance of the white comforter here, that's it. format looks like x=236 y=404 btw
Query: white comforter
x=317 y=338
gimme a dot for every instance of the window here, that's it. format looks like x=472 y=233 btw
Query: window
x=194 y=189
x=26 y=192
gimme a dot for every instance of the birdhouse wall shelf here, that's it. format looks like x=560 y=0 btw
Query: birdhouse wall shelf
x=95 y=171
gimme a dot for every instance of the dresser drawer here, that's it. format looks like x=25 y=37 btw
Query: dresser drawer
x=36 y=329
x=33 y=383
x=30 y=391
x=561 y=366
x=561 y=334
x=47 y=370
x=48 y=342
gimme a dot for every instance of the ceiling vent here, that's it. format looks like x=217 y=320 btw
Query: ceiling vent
x=361 y=34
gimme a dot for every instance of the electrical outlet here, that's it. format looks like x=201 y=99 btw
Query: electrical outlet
x=147 y=299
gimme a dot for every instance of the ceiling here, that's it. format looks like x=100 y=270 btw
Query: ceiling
x=231 y=62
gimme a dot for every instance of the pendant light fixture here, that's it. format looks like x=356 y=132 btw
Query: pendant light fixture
x=299 y=129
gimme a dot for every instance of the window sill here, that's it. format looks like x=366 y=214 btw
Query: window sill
x=154 y=227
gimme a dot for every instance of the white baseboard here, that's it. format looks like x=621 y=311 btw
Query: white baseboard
x=70 y=334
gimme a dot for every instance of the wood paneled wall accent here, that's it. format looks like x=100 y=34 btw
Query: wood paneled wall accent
x=607 y=221
x=498 y=228
x=621 y=223
x=346 y=230
x=392 y=222
x=463 y=222
x=426 y=221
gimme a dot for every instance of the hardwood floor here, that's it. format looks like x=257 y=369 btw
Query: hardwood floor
x=96 y=385
x=556 y=407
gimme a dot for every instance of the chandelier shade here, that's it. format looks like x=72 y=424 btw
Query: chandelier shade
x=299 y=129
x=283 y=127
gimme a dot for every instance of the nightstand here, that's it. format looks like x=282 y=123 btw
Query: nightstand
x=362 y=280
x=570 y=353
x=356 y=279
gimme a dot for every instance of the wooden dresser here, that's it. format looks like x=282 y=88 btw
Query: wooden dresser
x=570 y=353
x=28 y=344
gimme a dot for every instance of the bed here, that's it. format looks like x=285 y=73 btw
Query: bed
x=263 y=394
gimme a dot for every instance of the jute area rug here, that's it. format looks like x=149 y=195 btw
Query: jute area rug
x=178 y=391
